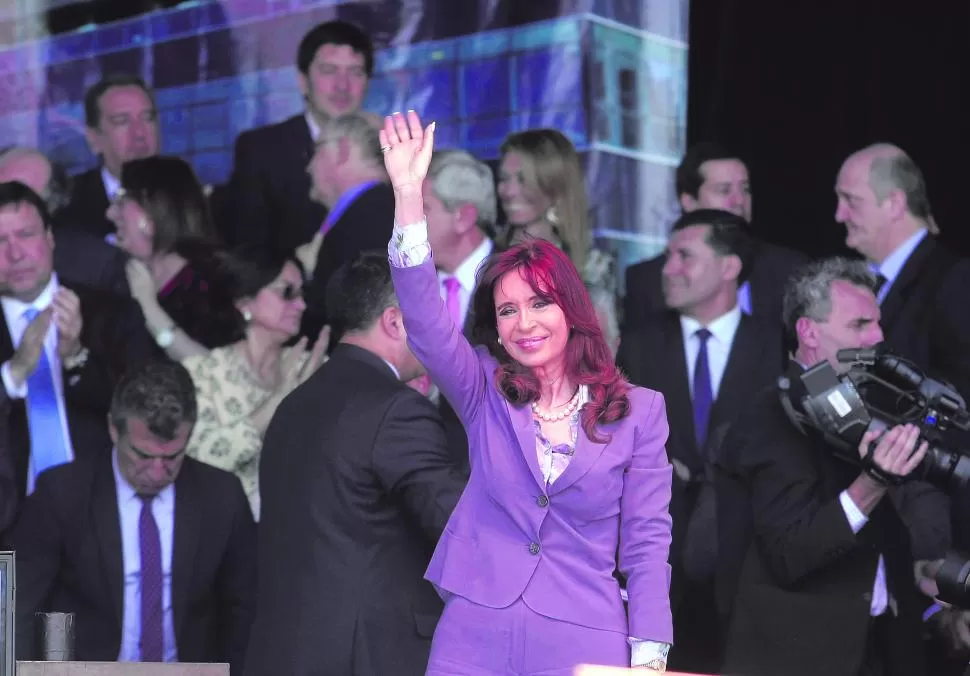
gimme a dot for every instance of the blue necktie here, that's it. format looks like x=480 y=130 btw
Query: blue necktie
x=703 y=392
x=48 y=447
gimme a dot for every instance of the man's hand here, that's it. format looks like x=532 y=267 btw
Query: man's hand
x=68 y=320
x=894 y=454
x=25 y=359
x=307 y=253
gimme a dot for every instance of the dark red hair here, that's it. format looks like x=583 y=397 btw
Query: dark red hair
x=553 y=277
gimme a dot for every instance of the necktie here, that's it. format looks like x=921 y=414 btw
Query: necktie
x=703 y=392
x=48 y=445
x=150 y=546
x=453 y=299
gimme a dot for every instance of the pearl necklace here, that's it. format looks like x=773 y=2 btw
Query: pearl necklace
x=571 y=406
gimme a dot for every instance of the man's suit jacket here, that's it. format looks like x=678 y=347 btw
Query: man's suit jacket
x=924 y=317
x=70 y=559
x=269 y=191
x=556 y=546
x=365 y=225
x=81 y=257
x=88 y=208
x=356 y=485
x=804 y=581
x=769 y=274
x=653 y=356
x=9 y=496
x=113 y=331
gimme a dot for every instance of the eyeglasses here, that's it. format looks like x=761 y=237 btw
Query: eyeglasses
x=289 y=292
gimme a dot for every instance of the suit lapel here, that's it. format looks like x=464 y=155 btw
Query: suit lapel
x=185 y=542
x=587 y=453
x=107 y=524
x=525 y=433
x=910 y=273
x=742 y=363
x=675 y=386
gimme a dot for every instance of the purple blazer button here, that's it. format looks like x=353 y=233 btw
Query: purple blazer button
x=542 y=501
x=534 y=548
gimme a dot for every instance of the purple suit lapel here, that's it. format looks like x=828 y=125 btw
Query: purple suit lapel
x=525 y=432
x=587 y=453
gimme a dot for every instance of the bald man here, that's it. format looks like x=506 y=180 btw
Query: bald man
x=883 y=203
x=79 y=256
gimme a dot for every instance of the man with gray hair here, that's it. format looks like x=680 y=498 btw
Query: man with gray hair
x=461 y=208
x=883 y=203
x=818 y=563
x=348 y=178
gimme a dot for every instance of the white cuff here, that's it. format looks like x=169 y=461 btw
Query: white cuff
x=409 y=246
x=853 y=514
x=13 y=391
x=643 y=652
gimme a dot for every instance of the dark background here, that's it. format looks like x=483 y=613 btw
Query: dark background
x=796 y=87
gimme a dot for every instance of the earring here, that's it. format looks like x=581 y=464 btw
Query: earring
x=499 y=341
x=247 y=316
x=552 y=216
x=143 y=225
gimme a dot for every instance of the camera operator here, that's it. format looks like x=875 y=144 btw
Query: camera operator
x=818 y=562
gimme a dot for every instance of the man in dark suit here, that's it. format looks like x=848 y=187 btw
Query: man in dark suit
x=461 y=209
x=348 y=176
x=817 y=557
x=61 y=349
x=152 y=551
x=9 y=496
x=357 y=484
x=81 y=257
x=883 y=204
x=711 y=177
x=269 y=190
x=709 y=359
x=122 y=124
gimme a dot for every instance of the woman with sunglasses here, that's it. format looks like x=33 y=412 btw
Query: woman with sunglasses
x=239 y=386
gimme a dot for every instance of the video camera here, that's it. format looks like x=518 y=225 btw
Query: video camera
x=879 y=391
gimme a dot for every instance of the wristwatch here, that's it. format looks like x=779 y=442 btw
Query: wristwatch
x=657 y=666
x=165 y=337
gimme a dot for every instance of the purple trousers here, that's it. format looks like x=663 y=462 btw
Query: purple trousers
x=472 y=640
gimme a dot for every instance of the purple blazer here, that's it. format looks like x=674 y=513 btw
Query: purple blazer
x=509 y=536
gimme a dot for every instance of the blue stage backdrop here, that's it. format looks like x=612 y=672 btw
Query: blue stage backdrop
x=611 y=74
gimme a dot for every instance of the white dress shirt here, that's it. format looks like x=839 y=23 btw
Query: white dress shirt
x=13 y=313
x=312 y=126
x=893 y=265
x=129 y=511
x=723 y=329
x=467 y=276
x=856 y=519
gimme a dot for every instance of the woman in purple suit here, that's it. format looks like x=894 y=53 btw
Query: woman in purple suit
x=569 y=475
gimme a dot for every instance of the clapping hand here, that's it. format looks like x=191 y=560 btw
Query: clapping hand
x=407 y=151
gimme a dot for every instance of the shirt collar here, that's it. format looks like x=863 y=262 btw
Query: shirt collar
x=397 y=374
x=893 y=265
x=722 y=329
x=313 y=126
x=127 y=494
x=111 y=184
x=467 y=272
x=17 y=308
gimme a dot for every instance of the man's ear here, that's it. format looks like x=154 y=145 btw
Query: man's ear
x=392 y=321
x=113 y=431
x=731 y=267
x=688 y=202
x=466 y=218
x=807 y=331
x=93 y=137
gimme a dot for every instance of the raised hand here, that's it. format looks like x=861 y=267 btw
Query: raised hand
x=407 y=150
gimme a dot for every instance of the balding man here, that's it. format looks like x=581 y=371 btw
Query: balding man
x=348 y=178
x=882 y=202
x=80 y=257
